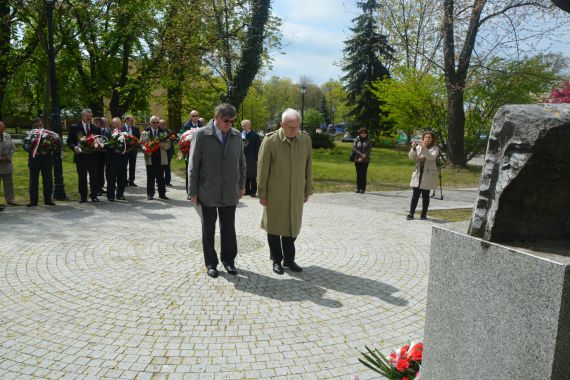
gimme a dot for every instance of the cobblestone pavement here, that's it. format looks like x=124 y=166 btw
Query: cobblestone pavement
x=120 y=290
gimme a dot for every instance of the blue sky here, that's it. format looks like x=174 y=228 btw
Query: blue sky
x=314 y=32
x=313 y=38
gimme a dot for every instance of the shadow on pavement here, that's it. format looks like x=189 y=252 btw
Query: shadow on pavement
x=311 y=285
x=349 y=284
x=286 y=290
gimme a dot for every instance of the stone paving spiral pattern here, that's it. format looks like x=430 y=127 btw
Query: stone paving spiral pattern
x=82 y=297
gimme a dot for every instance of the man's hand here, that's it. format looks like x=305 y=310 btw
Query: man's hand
x=76 y=150
x=306 y=198
x=241 y=192
x=263 y=201
x=194 y=199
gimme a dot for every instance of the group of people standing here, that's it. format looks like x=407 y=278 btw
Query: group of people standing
x=115 y=167
x=218 y=172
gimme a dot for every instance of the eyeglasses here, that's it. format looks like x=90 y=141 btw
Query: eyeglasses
x=194 y=115
x=230 y=121
x=154 y=122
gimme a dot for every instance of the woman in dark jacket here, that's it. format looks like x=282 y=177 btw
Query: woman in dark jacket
x=361 y=151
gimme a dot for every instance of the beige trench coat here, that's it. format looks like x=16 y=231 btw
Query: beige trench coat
x=164 y=146
x=429 y=175
x=7 y=149
x=284 y=178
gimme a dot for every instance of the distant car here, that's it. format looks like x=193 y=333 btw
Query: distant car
x=347 y=138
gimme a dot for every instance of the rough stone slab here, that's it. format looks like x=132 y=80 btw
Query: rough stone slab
x=523 y=193
x=494 y=310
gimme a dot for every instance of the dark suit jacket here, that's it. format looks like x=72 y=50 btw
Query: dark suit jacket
x=188 y=125
x=135 y=131
x=76 y=132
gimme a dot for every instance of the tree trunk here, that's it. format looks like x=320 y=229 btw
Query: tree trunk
x=456 y=125
x=174 y=106
x=5 y=29
x=250 y=59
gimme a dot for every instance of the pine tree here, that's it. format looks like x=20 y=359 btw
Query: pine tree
x=325 y=111
x=364 y=54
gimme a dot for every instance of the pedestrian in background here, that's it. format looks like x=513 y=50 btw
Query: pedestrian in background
x=424 y=177
x=285 y=184
x=251 y=143
x=7 y=149
x=361 y=153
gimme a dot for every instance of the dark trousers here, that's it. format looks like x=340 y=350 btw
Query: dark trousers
x=167 y=172
x=116 y=172
x=361 y=169
x=251 y=186
x=155 y=173
x=132 y=165
x=227 y=234
x=43 y=167
x=186 y=175
x=87 y=164
x=281 y=248
x=416 y=198
x=101 y=163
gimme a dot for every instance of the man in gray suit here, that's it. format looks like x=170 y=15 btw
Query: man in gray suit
x=217 y=181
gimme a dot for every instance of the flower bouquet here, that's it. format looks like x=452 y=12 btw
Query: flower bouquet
x=404 y=365
x=150 y=146
x=91 y=143
x=184 y=143
x=122 y=142
x=41 y=141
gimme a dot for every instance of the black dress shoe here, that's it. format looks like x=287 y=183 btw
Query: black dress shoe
x=31 y=205
x=423 y=217
x=277 y=268
x=168 y=184
x=293 y=266
x=163 y=197
x=213 y=272
x=410 y=217
x=121 y=198
x=111 y=199
x=83 y=201
x=230 y=268
x=132 y=184
x=95 y=200
x=49 y=203
x=150 y=198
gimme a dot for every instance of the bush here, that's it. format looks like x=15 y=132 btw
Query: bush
x=322 y=140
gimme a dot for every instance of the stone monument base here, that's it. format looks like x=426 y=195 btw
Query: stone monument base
x=497 y=311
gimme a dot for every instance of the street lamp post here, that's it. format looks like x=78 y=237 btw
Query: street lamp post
x=303 y=90
x=58 y=186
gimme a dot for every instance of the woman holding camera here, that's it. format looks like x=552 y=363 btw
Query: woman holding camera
x=361 y=154
x=424 y=177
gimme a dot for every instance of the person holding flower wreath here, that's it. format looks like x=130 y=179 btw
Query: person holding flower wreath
x=132 y=130
x=40 y=161
x=156 y=158
x=85 y=161
x=116 y=161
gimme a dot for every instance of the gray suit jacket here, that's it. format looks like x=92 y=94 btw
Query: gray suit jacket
x=7 y=149
x=216 y=171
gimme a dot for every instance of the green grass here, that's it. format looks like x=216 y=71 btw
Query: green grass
x=452 y=215
x=390 y=169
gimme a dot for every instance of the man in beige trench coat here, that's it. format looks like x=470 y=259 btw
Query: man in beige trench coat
x=285 y=182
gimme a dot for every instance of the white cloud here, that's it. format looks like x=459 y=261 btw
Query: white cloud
x=313 y=38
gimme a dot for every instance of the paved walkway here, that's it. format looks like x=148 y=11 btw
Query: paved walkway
x=120 y=290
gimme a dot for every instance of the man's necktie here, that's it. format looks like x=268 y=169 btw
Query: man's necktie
x=224 y=136
x=86 y=129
